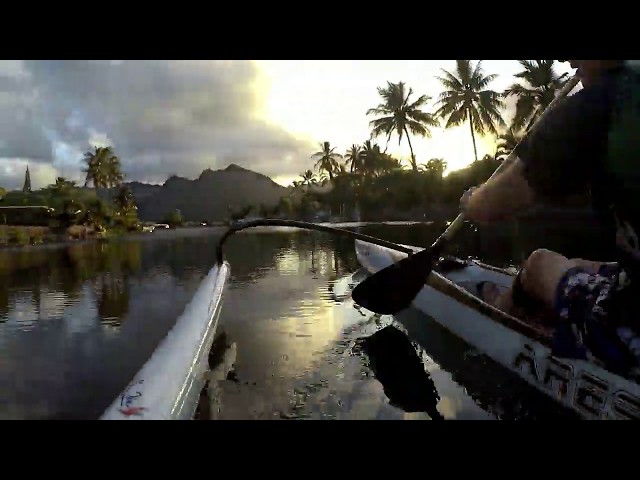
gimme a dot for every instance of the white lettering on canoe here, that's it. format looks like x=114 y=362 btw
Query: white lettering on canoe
x=592 y=396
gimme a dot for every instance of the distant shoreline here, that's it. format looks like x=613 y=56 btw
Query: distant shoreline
x=19 y=237
x=57 y=240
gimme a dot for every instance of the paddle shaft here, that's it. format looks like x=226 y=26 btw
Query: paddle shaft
x=455 y=226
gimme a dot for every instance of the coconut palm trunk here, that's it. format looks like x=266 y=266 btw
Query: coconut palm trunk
x=473 y=136
x=414 y=164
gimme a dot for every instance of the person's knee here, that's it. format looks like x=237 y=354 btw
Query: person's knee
x=542 y=272
x=535 y=264
x=526 y=287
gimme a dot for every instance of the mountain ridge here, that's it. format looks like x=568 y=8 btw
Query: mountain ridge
x=211 y=197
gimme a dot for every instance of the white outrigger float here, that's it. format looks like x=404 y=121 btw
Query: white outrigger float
x=169 y=384
x=449 y=298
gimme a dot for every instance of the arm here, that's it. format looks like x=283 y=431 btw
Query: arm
x=554 y=161
x=501 y=196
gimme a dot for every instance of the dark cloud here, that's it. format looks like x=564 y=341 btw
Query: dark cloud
x=161 y=117
x=21 y=131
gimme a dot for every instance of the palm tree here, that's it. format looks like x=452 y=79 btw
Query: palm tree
x=371 y=158
x=62 y=185
x=508 y=140
x=388 y=164
x=398 y=115
x=103 y=168
x=124 y=200
x=113 y=172
x=354 y=159
x=308 y=177
x=541 y=85
x=467 y=100
x=125 y=208
x=342 y=184
x=436 y=165
x=327 y=159
x=96 y=166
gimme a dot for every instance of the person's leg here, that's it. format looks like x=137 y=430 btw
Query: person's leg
x=592 y=266
x=576 y=292
x=544 y=277
x=542 y=273
x=539 y=277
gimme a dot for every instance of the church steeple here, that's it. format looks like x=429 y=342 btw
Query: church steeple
x=27 y=182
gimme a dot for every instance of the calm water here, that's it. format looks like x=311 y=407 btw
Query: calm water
x=76 y=322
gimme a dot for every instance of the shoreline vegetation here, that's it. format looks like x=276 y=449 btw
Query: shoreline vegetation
x=364 y=184
x=64 y=212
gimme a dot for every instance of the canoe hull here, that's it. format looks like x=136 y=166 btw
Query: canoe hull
x=582 y=386
x=169 y=384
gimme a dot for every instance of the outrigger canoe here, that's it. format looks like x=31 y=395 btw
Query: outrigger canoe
x=449 y=297
x=169 y=384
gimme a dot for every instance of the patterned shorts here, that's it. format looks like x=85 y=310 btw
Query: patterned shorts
x=585 y=330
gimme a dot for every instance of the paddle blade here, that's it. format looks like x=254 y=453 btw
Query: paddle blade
x=393 y=288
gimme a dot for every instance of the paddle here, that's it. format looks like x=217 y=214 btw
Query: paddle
x=393 y=288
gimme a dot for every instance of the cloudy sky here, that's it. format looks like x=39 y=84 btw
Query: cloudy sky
x=180 y=117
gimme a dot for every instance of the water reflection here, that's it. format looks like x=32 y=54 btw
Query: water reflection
x=41 y=283
x=397 y=366
x=78 y=321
